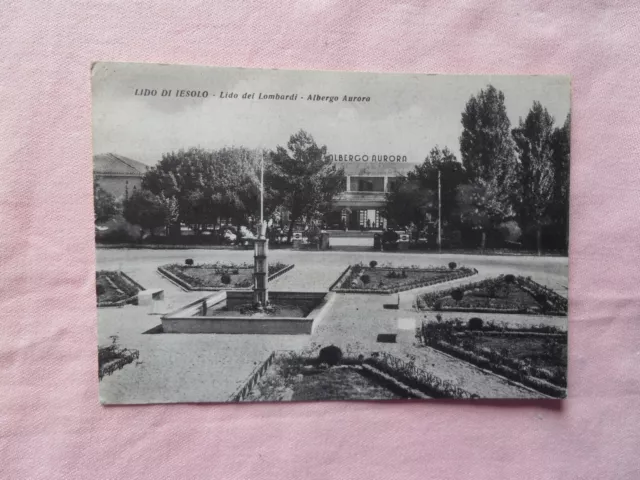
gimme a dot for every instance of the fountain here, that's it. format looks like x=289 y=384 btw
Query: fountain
x=252 y=311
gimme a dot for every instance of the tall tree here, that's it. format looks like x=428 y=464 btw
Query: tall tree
x=534 y=144
x=452 y=175
x=302 y=179
x=105 y=206
x=559 y=211
x=487 y=147
x=208 y=185
x=146 y=210
x=407 y=202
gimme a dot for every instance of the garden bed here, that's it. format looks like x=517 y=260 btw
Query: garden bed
x=218 y=276
x=535 y=357
x=114 y=357
x=503 y=294
x=385 y=279
x=288 y=376
x=115 y=289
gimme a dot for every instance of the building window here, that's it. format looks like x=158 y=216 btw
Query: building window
x=367 y=184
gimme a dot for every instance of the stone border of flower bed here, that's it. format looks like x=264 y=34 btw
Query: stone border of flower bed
x=125 y=301
x=558 y=302
x=452 y=275
x=191 y=288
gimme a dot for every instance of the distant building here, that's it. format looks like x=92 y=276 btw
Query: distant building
x=366 y=188
x=118 y=175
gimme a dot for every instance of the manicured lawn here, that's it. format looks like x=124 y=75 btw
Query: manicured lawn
x=518 y=295
x=507 y=297
x=285 y=381
x=339 y=384
x=363 y=277
x=533 y=356
x=112 y=286
x=211 y=275
x=539 y=351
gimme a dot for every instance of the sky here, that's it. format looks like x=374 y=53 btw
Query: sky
x=407 y=114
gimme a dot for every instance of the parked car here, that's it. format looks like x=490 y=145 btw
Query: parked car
x=229 y=236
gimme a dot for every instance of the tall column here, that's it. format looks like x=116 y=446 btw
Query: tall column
x=348 y=183
x=260 y=273
x=385 y=183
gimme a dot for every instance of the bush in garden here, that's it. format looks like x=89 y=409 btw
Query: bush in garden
x=226 y=279
x=373 y=264
x=453 y=265
x=330 y=355
x=475 y=323
x=365 y=279
x=189 y=261
x=457 y=294
x=541 y=298
x=509 y=278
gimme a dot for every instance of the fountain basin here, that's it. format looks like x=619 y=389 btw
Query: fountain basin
x=226 y=312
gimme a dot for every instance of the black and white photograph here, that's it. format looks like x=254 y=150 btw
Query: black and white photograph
x=274 y=235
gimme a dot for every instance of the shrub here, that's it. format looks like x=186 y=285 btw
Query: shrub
x=541 y=298
x=475 y=323
x=189 y=261
x=330 y=355
x=509 y=278
x=365 y=279
x=373 y=264
x=457 y=294
x=100 y=290
x=226 y=279
x=453 y=265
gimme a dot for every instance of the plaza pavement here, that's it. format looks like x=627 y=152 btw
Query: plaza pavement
x=206 y=367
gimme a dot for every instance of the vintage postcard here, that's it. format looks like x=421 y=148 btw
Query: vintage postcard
x=272 y=235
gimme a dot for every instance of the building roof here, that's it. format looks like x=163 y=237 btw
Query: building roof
x=376 y=168
x=112 y=164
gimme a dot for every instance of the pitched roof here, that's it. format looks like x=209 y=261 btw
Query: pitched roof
x=110 y=163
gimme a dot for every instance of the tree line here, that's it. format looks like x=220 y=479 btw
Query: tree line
x=512 y=184
x=202 y=188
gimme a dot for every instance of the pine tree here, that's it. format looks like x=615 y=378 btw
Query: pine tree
x=302 y=179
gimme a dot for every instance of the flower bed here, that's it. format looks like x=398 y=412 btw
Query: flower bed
x=497 y=295
x=114 y=357
x=363 y=279
x=293 y=376
x=533 y=358
x=115 y=289
x=218 y=276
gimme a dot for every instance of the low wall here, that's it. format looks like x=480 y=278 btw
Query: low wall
x=239 y=325
x=189 y=319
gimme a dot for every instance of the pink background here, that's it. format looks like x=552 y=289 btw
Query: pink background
x=51 y=425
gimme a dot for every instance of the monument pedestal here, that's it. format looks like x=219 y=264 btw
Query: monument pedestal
x=260 y=272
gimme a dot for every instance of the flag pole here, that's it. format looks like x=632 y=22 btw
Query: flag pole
x=439 y=215
x=262 y=194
